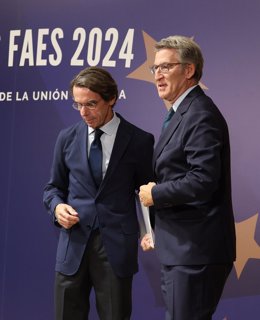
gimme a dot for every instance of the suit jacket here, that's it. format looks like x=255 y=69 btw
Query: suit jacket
x=113 y=203
x=193 y=208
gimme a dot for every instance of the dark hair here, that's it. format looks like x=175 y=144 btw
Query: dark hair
x=97 y=80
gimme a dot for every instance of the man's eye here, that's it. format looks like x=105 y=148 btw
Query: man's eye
x=91 y=104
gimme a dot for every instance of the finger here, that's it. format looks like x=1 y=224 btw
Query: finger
x=72 y=219
x=71 y=211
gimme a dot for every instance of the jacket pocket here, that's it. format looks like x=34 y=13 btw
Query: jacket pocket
x=63 y=244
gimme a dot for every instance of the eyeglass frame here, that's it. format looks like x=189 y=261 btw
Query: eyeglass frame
x=90 y=105
x=166 y=66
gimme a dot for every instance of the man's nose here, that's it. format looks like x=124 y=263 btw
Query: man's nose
x=85 y=110
x=158 y=75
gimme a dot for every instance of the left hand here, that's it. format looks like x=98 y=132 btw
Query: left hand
x=147 y=243
x=145 y=194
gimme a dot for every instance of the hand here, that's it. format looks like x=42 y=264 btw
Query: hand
x=145 y=194
x=146 y=242
x=66 y=215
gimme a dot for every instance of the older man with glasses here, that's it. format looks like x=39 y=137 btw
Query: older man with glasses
x=191 y=194
x=98 y=165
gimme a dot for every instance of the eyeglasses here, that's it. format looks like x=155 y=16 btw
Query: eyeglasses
x=91 y=105
x=164 y=67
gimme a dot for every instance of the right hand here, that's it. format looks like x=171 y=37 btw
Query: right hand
x=66 y=215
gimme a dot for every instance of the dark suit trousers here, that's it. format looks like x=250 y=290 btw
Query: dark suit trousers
x=193 y=292
x=113 y=294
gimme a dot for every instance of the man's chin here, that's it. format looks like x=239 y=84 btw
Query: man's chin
x=162 y=95
x=91 y=124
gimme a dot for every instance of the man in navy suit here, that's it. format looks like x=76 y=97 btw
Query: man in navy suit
x=99 y=230
x=194 y=223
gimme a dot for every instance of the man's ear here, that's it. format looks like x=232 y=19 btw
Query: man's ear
x=190 y=70
x=112 y=101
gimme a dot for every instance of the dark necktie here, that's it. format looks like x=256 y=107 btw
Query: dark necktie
x=168 y=118
x=95 y=157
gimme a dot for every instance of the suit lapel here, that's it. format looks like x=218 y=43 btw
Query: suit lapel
x=122 y=140
x=84 y=177
x=176 y=119
x=166 y=135
x=81 y=142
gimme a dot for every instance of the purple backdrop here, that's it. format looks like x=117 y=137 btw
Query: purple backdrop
x=42 y=46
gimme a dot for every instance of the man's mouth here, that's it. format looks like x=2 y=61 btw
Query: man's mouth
x=161 y=86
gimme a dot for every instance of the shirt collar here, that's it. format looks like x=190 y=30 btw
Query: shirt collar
x=109 y=128
x=182 y=97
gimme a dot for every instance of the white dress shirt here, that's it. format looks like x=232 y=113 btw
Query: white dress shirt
x=107 y=140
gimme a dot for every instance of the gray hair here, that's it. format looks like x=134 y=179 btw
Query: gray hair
x=188 y=50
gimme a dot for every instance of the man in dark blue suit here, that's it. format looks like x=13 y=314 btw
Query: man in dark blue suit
x=99 y=230
x=194 y=223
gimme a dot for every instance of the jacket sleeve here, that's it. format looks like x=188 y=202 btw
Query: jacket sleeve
x=56 y=189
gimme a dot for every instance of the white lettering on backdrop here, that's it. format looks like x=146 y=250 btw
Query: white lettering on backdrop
x=43 y=47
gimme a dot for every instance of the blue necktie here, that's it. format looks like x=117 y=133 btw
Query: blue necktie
x=168 y=118
x=95 y=157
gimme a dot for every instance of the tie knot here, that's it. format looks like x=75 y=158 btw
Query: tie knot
x=98 y=133
x=168 y=118
x=170 y=113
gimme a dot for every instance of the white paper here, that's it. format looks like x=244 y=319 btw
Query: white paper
x=144 y=221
